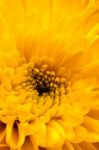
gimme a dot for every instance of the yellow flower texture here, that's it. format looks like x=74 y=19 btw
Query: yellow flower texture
x=49 y=74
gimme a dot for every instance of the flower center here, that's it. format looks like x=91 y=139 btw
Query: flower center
x=46 y=82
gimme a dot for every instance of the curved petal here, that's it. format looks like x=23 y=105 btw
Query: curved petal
x=27 y=145
x=15 y=137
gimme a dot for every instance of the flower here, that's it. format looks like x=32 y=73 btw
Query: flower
x=49 y=62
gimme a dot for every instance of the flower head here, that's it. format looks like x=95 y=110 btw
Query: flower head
x=49 y=62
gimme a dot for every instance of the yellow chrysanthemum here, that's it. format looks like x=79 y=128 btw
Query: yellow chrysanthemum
x=49 y=75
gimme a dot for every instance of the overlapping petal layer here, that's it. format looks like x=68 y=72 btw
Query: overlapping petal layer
x=49 y=84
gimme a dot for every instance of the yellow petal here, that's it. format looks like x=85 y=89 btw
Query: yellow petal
x=13 y=13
